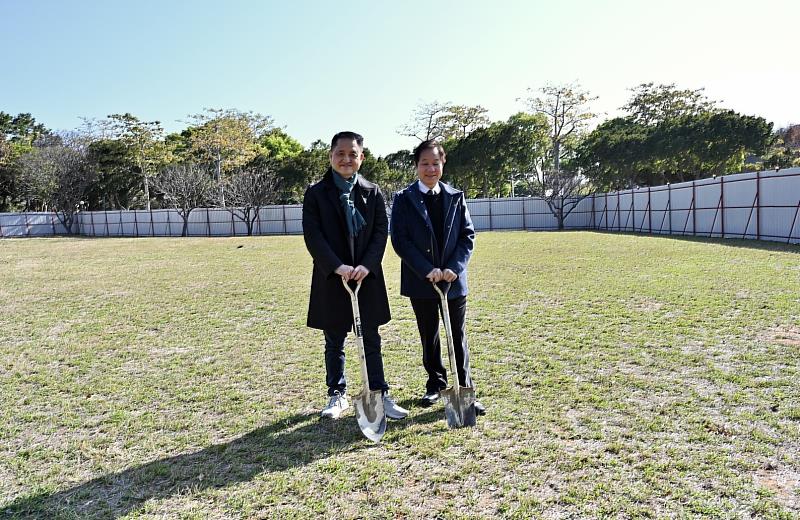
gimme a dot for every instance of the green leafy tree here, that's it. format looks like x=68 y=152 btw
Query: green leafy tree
x=670 y=135
x=401 y=172
x=144 y=141
x=278 y=145
x=784 y=151
x=296 y=173
x=619 y=154
x=226 y=138
x=118 y=184
x=710 y=143
x=17 y=136
x=461 y=120
x=652 y=104
x=492 y=159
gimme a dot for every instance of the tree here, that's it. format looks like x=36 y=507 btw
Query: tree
x=566 y=108
x=652 y=104
x=562 y=190
x=460 y=120
x=296 y=173
x=144 y=140
x=567 y=113
x=401 y=172
x=250 y=189
x=17 y=135
x=709 y=143
x=624 y=153
x=278 y=145
x=619 y=154
x=185 y=187
x=785 y=149
x=227 y=139
x=527 y=144
x=118 y=184
x=490 y=160
x=57 y=178
x=429 y=121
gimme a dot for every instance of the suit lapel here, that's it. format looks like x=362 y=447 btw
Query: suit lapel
x=332 y=192
x=449 y=214
x=416 y=200
x=360 y=202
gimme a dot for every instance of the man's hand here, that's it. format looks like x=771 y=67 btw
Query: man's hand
x=435 y=276
x=449 y=276
x=345 y=271
x=359 y=273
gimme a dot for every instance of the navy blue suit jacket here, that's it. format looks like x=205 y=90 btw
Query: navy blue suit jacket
x=414 y=241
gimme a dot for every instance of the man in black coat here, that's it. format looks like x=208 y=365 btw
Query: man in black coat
x=345 y=229
x=433 y=235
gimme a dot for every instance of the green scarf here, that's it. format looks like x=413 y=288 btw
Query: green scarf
x=355 y=221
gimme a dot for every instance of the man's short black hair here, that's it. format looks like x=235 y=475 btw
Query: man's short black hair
x=429 y=144
x=350 y=136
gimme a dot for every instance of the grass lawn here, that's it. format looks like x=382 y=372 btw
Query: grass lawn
x=625 y=376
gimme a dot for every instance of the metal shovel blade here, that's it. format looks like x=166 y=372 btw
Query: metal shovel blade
x=370 y=414
x=459 y=407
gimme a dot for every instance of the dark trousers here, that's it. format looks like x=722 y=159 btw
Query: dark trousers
x=427 y=312
x=334 y=360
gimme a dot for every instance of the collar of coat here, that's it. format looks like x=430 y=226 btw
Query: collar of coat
x=413 y=189
x=449 y=195
x=360 y=181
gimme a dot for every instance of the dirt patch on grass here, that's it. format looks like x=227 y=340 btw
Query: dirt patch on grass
x=646 y=306
x=784 y=482
x=788 y=336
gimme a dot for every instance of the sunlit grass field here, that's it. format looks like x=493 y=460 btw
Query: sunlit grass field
x=625 y=377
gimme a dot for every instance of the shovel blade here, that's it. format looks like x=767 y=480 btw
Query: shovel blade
x=459 y=412
x=370 y=414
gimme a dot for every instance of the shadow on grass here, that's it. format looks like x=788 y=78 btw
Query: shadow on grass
x=288 y=442
x=765 y=245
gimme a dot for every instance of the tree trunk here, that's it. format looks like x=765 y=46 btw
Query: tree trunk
x=218 y=174
x=147 y=193
x=556 y=154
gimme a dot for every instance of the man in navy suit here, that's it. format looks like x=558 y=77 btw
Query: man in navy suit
x=433 y=234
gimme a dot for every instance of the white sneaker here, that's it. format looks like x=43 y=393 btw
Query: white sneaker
x=336 y=406
x=392 y=409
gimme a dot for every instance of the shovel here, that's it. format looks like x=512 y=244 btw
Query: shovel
x=368 y=403
x=459 y=401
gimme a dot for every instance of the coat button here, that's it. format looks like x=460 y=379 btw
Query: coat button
x=427 y=250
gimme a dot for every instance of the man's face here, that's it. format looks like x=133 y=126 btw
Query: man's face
x=346 y=157
x=429 y=167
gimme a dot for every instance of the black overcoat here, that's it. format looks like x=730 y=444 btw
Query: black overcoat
x=326 y=237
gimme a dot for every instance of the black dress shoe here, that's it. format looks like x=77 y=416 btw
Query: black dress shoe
x=429 y=399
x=479 y=408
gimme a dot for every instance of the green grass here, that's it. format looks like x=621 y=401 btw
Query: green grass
x=625 y=377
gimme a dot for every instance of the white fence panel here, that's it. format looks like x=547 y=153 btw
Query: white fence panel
x=763 y=205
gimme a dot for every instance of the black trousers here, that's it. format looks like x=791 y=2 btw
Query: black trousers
x=426 y=311
x=334 y=360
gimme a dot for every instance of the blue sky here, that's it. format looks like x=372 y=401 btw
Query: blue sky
x=318 y=66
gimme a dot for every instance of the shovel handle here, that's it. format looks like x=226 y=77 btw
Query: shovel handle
x=353 y=293
x=441 y=289
x=357 y=330
x=449 y=332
